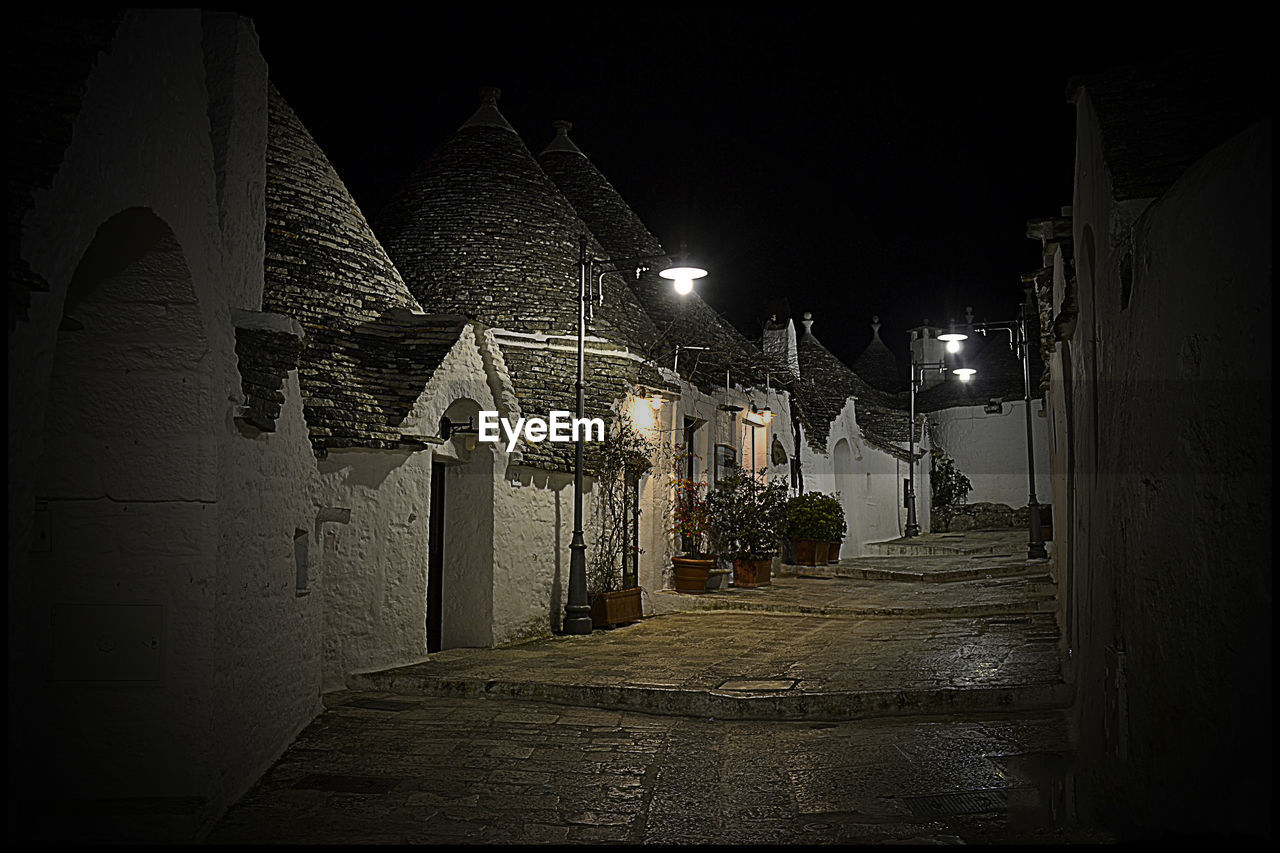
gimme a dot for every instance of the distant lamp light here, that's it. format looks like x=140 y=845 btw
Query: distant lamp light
x=683 y=277
x=759 y=416
x=965 y=373
x=953 y=340
x=655 y=402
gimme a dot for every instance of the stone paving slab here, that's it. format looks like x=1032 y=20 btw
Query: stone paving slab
x=479 y=771
x=841 y=667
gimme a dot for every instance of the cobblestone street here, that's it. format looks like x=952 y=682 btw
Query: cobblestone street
x=858 y=703
x=387 y=768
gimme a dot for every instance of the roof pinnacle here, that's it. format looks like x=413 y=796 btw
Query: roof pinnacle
x=562 y=142
x=487 y=115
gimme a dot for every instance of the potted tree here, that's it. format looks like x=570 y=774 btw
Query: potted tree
x=809 y=526
x=694 y=564
x=614 y=597
x=745 y=521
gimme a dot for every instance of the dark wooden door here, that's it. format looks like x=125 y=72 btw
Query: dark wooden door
x=435 y=557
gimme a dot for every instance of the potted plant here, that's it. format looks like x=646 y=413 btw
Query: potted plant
x=810 y=524
x=745 y=521
x=615 y=598
x=950 y=488
x=694 y=564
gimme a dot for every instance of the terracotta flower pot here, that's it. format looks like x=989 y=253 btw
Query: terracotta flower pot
x=751 y=573
x=810 y=552
x=692 y=574
x=616 y=608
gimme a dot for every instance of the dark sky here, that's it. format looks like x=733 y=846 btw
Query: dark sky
x=855 y=165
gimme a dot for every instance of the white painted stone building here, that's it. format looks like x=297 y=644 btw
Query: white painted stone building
x=1157 y=297
x=225 y=403
x=848 y=438
x=981 y=424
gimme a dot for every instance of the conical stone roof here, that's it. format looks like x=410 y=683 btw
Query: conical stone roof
x=480 y=230
x=826 y=383
x=877 y=364
x=366 y=352
x=684 y=320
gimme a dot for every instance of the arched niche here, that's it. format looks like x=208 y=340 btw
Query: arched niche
x=845 y=484
x=123 y=575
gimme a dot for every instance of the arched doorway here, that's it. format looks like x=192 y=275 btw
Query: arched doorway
x=123 y=575
x=843 y=459
x=460 y=582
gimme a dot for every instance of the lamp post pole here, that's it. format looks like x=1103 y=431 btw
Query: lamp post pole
x=1017 y=330
x=577 y=610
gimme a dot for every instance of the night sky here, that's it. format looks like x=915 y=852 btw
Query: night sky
x=854 y=165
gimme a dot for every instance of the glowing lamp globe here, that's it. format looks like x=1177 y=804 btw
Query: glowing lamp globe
x=965 y=373
x=682 y=277
x=953 y=340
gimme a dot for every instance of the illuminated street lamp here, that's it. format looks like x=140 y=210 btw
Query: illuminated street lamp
x=918 y=369
x=577 y=611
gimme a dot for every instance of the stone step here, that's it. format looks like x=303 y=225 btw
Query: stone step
x=966 y=573
x=723 y=704
x=1032 y=603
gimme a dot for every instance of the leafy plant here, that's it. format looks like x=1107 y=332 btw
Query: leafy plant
x=746 y=517
x=624 y=456
x=949 y=486
x=815 y=515
x=689 y=517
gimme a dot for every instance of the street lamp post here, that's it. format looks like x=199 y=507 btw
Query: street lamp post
x=1017 y=330
x=577 y=611
x=918 y=369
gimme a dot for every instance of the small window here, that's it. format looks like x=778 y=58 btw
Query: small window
x=726 y=462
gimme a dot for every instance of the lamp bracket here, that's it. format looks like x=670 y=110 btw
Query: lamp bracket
x=449 y=428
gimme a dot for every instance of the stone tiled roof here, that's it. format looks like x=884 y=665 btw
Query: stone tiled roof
x=1157 y=119
x=877 y=364
x=684 y=320
x=480 y=230
x=50 y=54
x=538 y=375
x=368 y=351
x=825 y=384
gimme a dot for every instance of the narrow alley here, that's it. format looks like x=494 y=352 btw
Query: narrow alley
x=897 y=698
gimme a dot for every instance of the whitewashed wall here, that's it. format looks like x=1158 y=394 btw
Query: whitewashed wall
x=237 y=649
x=991 y=450
x=1166 y=447
x=870 y=483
